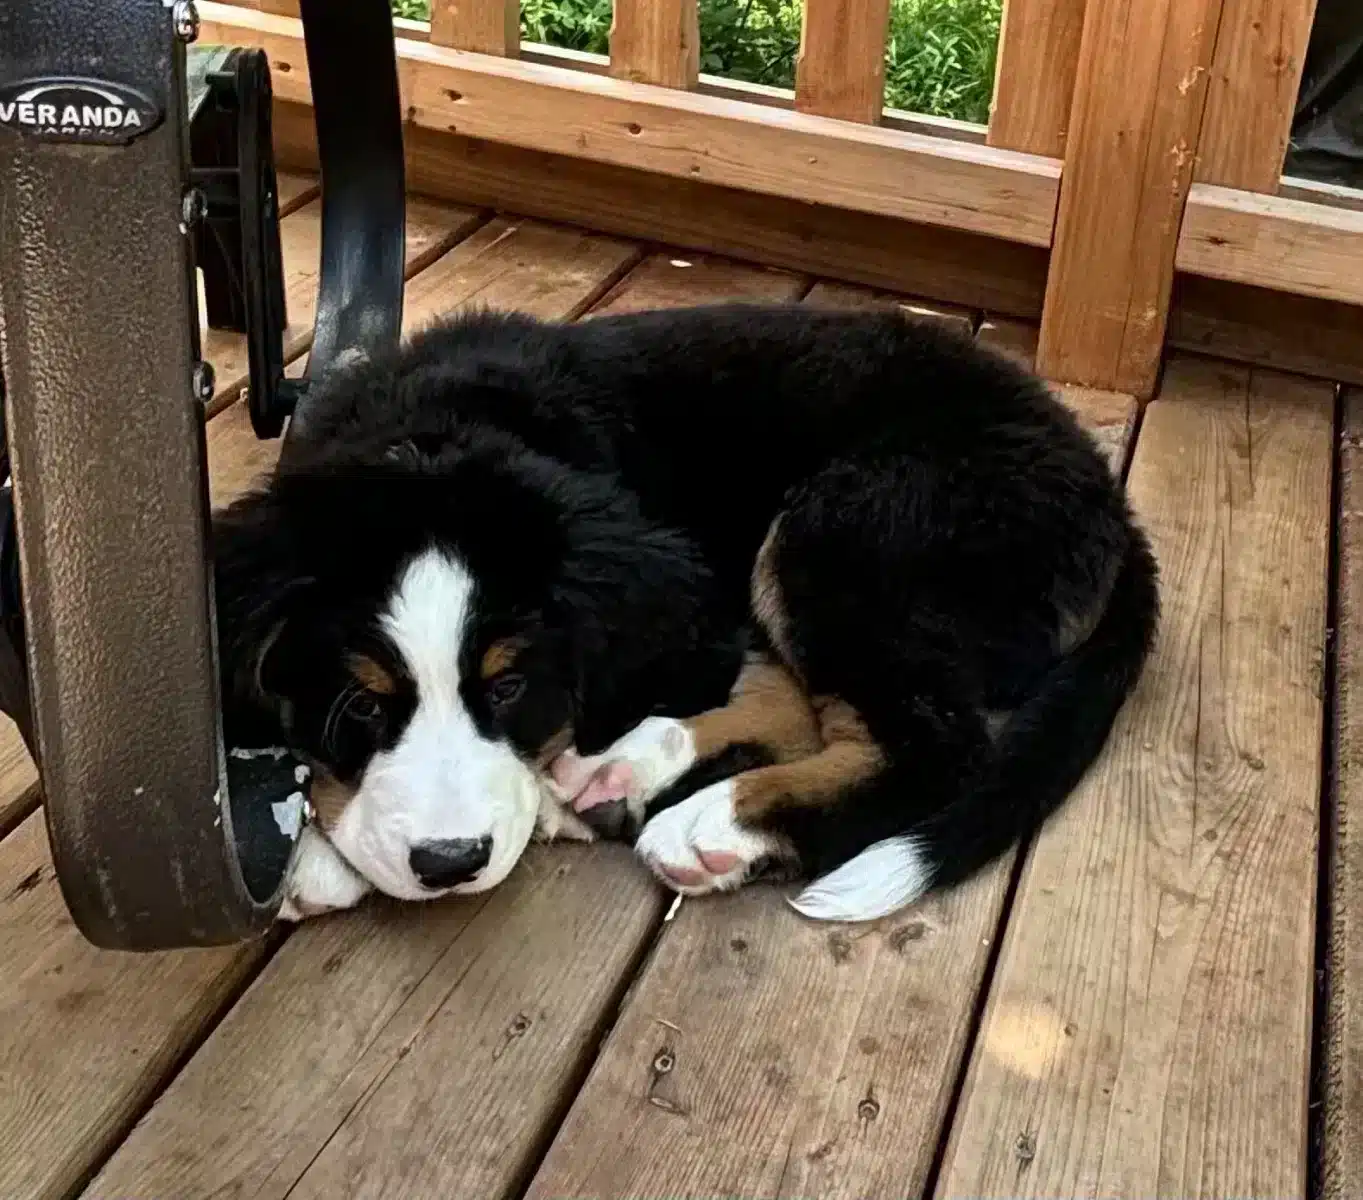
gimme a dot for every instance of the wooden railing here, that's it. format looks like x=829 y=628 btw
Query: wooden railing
x=1132 y=139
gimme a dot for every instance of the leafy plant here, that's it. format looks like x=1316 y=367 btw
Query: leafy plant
x=939 y=55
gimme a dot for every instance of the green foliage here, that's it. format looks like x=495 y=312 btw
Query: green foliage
x=939 y=57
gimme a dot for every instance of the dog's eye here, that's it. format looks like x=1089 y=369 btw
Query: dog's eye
x=505 y=689
x=365 y=708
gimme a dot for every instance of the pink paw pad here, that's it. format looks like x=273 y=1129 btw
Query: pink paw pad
x=683 y=876
x=719 y=862
x=605 y=785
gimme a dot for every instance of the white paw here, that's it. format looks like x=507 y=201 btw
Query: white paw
x=321 y=880
x=697 y=846
x=654 y=754
x=558 y=822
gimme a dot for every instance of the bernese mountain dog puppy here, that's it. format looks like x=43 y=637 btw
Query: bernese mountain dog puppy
x=755 y=587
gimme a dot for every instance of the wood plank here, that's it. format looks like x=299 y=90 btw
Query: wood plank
x=1148 y=1028
x=804 y=1059
x=85 y=1035
x=949 y=265
x=480 y=26
x=828 y=294
x=1034 y=75
x=307 y=1075
x=1139 y=97
x=666 y=280
x=18 y=778
x=1252 y=92
x=295 y=190
x=840 y=71
x=120 y=1021
x=1272 y=329
x=689 y=136
x=1342 y=1151
x=1273 y=242
x=656 y=41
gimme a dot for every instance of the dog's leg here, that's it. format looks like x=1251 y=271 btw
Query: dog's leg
x=768 y=720
x=715 y=837
x=321 y=880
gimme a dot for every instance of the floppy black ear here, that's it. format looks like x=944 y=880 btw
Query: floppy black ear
x=259 y=582
x=633 y=598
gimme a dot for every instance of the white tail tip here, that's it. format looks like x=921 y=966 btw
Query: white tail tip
x=881 y=879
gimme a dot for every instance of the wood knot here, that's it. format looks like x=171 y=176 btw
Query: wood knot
x=1025 y=1148
x=914 y=931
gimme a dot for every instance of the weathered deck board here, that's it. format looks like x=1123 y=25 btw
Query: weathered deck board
x=301 y=1087
x=1147 y=1031
x=1342 y=1160
x=807 y=1059
x=667 y=280
x=827 y=294
x=86 y=1036
x=18 y=778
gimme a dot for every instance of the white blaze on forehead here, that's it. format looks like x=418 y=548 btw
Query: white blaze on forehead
x=426 y=619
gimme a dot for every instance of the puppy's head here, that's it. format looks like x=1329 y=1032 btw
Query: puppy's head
x=430 y=621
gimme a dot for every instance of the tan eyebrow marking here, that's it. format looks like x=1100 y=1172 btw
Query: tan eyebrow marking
x=500 y=655
x=372 y=675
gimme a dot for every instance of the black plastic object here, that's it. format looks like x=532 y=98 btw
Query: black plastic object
x=352 y=65
x=1327 y=129
x=162 y=836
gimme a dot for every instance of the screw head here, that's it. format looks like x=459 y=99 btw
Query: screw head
x=204 y=382
x=185 y=17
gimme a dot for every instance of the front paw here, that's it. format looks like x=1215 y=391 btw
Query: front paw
x=698 y=846
x=321 y=881
x=611 y=790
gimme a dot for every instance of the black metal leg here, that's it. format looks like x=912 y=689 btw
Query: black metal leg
x=352 y=64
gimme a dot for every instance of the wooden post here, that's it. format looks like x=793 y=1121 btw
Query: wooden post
x=841 y=68
x=1138 y=102
x=656 y=41
x=1034 y=77
x=1260 y=51
x=481 y=26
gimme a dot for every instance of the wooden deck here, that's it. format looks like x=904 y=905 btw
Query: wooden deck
x=1128 y=1008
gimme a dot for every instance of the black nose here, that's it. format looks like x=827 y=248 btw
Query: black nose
x=449 y=862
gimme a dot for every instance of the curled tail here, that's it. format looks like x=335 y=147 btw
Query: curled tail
x=1040 y=756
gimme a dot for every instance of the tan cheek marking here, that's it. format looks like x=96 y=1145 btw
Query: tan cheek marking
x=769 y=707
x=372 y=675
x=555 y=746
x=500 y=656
x=329 y=798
